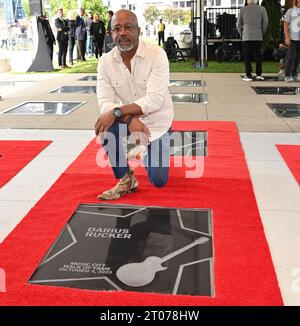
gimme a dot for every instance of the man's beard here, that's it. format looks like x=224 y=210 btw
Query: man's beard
x=125 y=48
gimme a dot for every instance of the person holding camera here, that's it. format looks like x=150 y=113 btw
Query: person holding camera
x=62 y=38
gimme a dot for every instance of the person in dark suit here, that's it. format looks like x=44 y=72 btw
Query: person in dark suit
x=71 y=37
x=62 y=38
x=80 y=35
x=110 y=14
x=98 y=34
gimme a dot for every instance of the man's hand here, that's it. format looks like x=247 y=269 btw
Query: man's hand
x=140 y=131
x=105 y=120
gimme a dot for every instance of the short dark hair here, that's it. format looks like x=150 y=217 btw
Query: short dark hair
x=110 y=12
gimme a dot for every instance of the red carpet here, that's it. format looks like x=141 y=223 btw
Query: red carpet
x=244 y=272
x=15 y=154
x=291 y=155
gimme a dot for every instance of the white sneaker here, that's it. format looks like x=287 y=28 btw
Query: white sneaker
x=296 y=78
x=246 y=78
x=288 y=79
x=260 y=78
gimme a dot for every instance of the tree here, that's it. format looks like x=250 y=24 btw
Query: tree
x=65 y=4
x=171 y=15
x=177 y=16
x=272 y=36
x=185 y=17
x=93 y=5
x=25 y=5
x=96 y=6
x=151 y=14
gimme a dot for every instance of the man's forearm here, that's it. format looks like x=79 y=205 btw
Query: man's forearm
x=128 y=110
x=131 y=109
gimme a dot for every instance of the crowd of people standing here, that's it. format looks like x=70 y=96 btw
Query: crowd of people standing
x=252 y=24
x=86 y=33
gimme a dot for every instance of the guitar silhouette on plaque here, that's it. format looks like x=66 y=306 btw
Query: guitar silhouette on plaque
x=141 y=274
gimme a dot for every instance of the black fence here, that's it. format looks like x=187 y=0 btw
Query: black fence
x=220 y=23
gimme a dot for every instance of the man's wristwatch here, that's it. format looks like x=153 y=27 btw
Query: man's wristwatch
x=117 y=113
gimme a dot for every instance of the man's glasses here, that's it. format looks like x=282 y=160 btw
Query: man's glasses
x=127 y=28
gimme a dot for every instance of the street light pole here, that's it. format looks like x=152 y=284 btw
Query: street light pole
x=199 y=34
x=202 y=34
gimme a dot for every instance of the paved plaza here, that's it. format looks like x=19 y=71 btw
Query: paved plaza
x=227 y=98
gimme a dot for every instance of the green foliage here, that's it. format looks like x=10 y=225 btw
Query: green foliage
x=186 y=17
x=90 y=66
x=177 y=16
x=96 y=6
x=273 y=32
x=93 y=5
x=169 y=15
x=151 y=14
x=66 y=5
x=26 y=7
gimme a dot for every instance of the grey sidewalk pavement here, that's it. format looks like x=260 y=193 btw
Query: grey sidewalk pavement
x=229 y=98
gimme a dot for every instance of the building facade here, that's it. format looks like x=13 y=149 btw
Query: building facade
x=13 y=10
x=184 y=4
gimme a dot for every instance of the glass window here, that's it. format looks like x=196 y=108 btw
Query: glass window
x=182 y=4
x=241 y=3
x=189 y=4
x=233 y=3
x=218 y=2
x=175 y=4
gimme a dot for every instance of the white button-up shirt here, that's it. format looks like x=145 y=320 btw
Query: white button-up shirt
x=146 y=85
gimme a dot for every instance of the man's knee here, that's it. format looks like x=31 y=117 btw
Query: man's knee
x=114 y=128
x=111 y=136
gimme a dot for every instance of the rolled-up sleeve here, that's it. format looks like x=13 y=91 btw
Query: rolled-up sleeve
x=157 y=85
x=106 y=95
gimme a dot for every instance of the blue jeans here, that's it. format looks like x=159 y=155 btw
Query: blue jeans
x=157 y=160
x=89 y=45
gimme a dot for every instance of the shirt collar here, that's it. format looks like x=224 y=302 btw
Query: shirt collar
x=140 y=52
